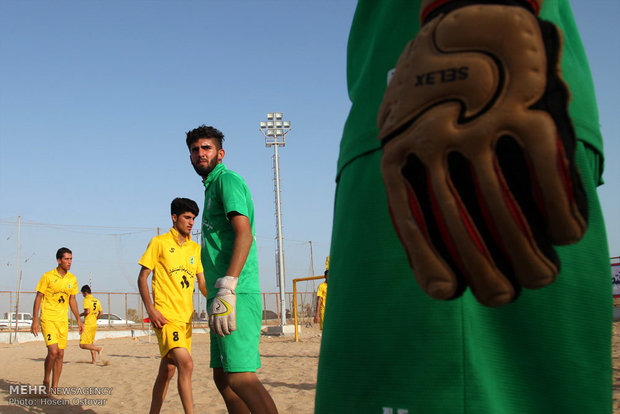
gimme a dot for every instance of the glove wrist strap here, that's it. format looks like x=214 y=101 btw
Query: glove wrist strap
x=227 y=282
x=431 y=8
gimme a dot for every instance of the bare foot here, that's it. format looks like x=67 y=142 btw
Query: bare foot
x=100 y=352
x=46 y=384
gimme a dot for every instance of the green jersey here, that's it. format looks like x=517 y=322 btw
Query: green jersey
x=226 y=192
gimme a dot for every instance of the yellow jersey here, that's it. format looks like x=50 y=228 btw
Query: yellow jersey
x=56 y=291
x=322 y=293
x=94 y=306
x=174 y=269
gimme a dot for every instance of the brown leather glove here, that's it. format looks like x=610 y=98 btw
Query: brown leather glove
x=478 y=151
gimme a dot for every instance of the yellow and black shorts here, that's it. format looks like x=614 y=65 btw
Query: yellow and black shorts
x=55 y=332
x=88 y=334
x=174 y=335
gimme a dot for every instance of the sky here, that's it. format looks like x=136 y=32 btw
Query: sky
x=96 y=97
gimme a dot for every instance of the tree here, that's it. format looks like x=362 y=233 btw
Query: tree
x=132 y=315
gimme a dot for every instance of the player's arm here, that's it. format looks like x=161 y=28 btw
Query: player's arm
x=243 y=243
x=202 y=285
x=85 y=313
x=222 y=313
x=35 y=328
x=157 y=319
x=74 y=309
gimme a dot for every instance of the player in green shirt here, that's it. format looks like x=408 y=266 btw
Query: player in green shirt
x=231 y=269
x=549 y=351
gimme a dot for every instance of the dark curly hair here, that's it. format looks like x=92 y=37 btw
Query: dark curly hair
x=204 y=131
x=183 y=205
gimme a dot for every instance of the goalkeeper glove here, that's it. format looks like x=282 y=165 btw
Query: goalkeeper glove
x=478 y=151
x=222 y=313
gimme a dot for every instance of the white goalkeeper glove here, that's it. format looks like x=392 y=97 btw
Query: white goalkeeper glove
x=222 y=313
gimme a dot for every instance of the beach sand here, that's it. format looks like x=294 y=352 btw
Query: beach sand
x=288 y=372
x=616 y=370
x=129 y=369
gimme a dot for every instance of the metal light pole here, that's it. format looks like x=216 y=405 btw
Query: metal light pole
x=275 y=130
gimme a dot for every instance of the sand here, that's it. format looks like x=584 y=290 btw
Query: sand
x=616 y=362
x=126 y=376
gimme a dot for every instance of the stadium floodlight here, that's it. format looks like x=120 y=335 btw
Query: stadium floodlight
x=276 y=138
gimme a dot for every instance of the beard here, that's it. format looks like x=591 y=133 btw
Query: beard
x=202 y=170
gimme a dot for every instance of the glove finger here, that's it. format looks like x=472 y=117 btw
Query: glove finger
x=412 y=216
x=568 y=222
x=561 y=195
x=232 y=323
x=475 y=262
x=516 y=200
x=219 y=329
x=212 y=324
x=224 y=325
x=466 y=186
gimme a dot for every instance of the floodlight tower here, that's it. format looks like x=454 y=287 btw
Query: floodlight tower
x=275 y=130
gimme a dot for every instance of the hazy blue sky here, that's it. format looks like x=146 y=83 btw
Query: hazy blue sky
x=96 y=97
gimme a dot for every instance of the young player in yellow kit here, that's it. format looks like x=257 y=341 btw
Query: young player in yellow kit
x=175 y=262
x=56 y=291
x=92 y=312
x=321 y=294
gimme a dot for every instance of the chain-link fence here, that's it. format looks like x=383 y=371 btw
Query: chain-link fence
x=106 y=258
x=122 y=310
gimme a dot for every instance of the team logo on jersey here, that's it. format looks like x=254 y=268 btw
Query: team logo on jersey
x=69 y=286
x=172 y=250
x=191 y=260
x=184 y=282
